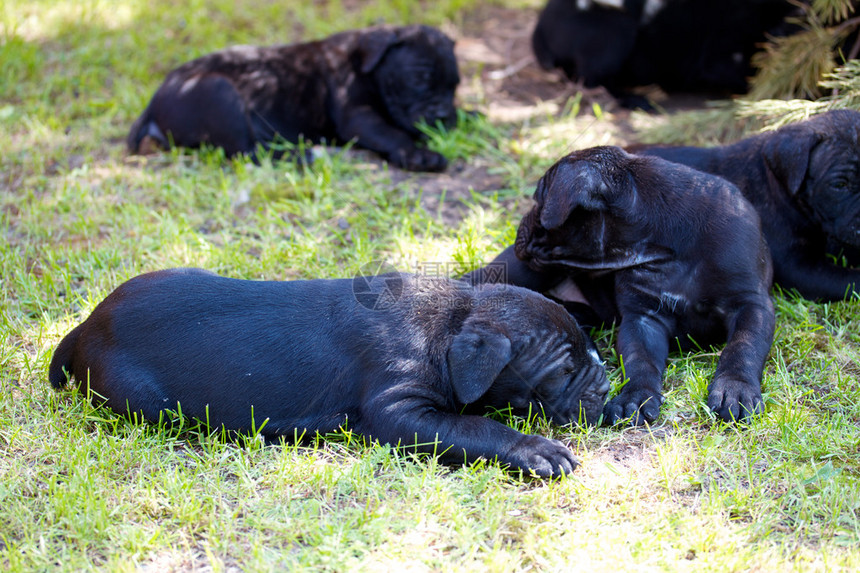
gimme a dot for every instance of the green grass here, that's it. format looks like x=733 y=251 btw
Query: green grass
x=84 y=489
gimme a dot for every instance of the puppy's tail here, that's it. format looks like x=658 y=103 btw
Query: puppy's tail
x=144 y=127
x=61 y=363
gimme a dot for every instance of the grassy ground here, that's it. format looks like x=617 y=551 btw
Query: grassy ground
x=84 y=489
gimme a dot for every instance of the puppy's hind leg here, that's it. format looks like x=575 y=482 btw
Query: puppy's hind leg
x=203 y=110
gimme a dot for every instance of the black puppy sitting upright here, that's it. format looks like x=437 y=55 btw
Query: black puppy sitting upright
x=371 y=86
x=312 y=356
x=804 y=180
x=666 y=251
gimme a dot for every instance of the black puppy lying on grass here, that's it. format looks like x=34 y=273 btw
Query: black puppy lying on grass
x=370 y=85
x=681 y=45
x=311 y=356
x=666 y=251
x=804 y=181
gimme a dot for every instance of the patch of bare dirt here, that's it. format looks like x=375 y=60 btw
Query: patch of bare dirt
x=500 y=71
x=635 y=447
x=443 y=194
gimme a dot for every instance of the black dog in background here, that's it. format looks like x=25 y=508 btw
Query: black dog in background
x=666 y=251
x=371 y=86
x=804 y=181
x=399 y=361
x=681 y=45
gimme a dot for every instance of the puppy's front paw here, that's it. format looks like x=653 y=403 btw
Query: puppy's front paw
x=418 y=159
x=546 y=458
x=640 y=406
x=734 y=400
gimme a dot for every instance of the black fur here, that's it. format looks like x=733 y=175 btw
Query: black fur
x=312 y=356
x=667 y=252
x=371 y=86
x=804 y=181
x=686 y=45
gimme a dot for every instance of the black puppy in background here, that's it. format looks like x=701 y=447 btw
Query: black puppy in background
x=399 y=361
x=666 y=251
x=804 y=181
x=371 y=86
x=680 y=45
x=587 y=40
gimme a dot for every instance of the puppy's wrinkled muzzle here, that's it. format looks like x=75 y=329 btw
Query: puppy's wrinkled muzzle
x=595 y=388
x=584 y=398
x=531 y=238
x=537 y=254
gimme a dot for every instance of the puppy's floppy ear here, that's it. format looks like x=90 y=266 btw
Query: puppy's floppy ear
x=475 y=359
x=786 y=155
x=568 y=186
x=373 y=46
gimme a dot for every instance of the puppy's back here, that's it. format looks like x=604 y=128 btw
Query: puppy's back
x=224 y=349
